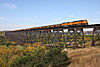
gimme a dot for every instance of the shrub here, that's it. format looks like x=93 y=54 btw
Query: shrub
x=8 y=54
x=27 y=44
x=12 y=59
x=33 y=59
x=56 y=58
x=2 y=63
x=41 y=58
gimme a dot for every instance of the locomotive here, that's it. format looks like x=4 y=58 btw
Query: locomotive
x=75 y=23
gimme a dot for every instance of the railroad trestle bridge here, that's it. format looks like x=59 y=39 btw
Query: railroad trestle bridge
x=67 y=35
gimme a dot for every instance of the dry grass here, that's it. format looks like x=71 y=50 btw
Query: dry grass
x=85 y=57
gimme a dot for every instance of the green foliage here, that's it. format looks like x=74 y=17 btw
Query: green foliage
x=41 y=58
x=2 y=63
x=5 y=41
x=31 y=55
x=8 y=54
x=33 y=59
x=56 y=58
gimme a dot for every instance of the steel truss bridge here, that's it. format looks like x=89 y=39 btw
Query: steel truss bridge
x=69 y=36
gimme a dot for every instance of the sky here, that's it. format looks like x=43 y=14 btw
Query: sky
x=20 y=14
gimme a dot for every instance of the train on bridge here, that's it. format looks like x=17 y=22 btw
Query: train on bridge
x=64 y=24
x=55 y=34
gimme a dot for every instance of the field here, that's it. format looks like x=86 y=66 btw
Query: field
x=86 y=57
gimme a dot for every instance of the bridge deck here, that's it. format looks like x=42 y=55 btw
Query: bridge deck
x=63 y=27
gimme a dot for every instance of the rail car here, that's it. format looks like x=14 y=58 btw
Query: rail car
x=75 y=23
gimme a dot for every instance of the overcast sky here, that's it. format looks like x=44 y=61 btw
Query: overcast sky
x=19 y=14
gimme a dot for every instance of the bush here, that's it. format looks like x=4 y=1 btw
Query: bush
x=2 y=63
x=40 y=57
x=5 y=41
x=8 y=54
x=33 y=59
x=56 y=58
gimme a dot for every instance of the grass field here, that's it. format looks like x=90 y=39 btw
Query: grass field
x=86 y=57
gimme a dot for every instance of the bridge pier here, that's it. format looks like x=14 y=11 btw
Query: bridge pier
x=75 y=38
x=95 y=35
